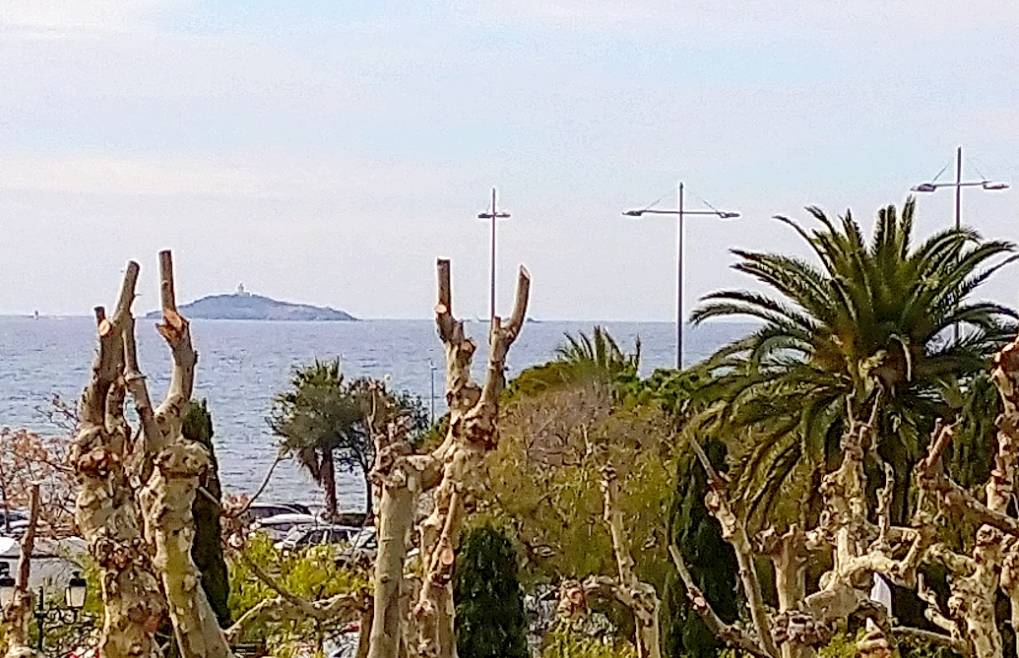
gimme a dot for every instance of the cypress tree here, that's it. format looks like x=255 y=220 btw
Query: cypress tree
x=490 y=621
x=709 y=557
x=207 y=549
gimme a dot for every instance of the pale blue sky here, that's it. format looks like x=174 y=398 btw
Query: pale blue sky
x=327 y=152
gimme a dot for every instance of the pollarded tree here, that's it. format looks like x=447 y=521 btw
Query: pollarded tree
x=490 y=621
x=324 y=422
x=869 y=316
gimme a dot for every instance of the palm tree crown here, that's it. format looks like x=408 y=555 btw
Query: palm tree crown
x=868 y=317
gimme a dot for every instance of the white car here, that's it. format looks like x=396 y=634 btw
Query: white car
x=279 y=525
x=305 y=536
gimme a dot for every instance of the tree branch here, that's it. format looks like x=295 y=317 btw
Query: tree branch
x=731 y=635
x=735 y=532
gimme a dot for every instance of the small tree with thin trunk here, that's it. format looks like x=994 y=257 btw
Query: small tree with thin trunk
x=324 y=421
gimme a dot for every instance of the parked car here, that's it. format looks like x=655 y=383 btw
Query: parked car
x=303 y=537
x=278 y=525
x=258 y=511
x=360 y=550
x=352 y=519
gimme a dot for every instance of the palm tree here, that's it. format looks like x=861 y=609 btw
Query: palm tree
x=314 y=417
x=592 y=359
x=598 y=352
x=869 y=317
x=322 y=421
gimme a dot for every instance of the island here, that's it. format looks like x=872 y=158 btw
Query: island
x=243 y=305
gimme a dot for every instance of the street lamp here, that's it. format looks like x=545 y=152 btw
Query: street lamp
x=74 y=595
x=493 y=215
x=68 y=614
x=74 y=601
x=934 y=186
x=680 y=212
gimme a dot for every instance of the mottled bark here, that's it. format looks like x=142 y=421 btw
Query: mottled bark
x=18 y=614
x=177 y=465
x=472 y=434
x=735 y=532
x=107 y=512
x=401 y=477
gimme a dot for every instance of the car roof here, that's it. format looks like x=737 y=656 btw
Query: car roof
x=290 y=517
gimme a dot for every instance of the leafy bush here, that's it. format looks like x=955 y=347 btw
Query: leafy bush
x=566 y=644
x=312 y=574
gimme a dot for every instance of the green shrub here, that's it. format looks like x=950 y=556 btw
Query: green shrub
x=566 y=644
x=312 y=574
x=490 y=620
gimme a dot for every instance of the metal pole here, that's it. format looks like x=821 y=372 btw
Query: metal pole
x=431 y=400
x=40 y=621
x=958 y=189
x=491 y=300
x=958 y=208
x=679 y=281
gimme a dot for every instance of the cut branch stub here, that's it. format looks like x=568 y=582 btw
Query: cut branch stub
x=106 y=507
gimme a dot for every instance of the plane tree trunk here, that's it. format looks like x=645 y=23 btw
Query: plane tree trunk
x=446 y=473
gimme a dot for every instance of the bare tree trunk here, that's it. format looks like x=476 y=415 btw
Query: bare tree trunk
x=472 y=434
x=788 y=557
x=640 y=597
x=402 y=477
x=18 y=614
x=327 y=474
x=168 y=496
x=395 y=522
x=106 y=511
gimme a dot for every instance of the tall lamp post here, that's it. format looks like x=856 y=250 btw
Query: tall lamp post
x=934 y=186
x=493 y=215
x=680 y=213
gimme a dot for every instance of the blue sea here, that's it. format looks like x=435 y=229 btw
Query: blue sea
x=243 y=364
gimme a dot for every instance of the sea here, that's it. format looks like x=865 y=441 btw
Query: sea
x=243 y=364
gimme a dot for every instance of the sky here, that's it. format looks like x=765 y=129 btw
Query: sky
x=328 y=152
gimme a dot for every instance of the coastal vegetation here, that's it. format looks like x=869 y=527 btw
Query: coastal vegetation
x=863 y=437
x=325 y=421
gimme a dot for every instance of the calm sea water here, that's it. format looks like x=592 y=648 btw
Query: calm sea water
x=242 y=364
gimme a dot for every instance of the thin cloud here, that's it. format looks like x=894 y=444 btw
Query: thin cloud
x=56 y=18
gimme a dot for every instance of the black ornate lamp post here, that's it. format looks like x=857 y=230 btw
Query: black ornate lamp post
x=67 y=614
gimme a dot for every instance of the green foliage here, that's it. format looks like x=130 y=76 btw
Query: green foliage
x=543 y=480
x=490 y=621
x=698 y=537
x=870 y=316
x=970 y=455
x=579 y=359
x=842 y=645
x=312 y=574
x=207 y=549
x=323 y=422
x=563 y=643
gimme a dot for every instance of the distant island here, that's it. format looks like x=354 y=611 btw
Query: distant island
x=243 y=305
